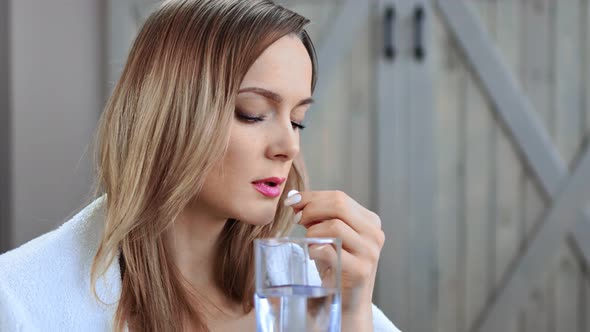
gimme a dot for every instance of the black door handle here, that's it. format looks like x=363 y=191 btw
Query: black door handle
x=389 y=34
x=419 y=17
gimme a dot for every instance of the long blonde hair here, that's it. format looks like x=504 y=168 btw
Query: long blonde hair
x=164 y=127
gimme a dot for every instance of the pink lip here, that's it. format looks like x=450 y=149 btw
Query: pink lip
x=266 y=189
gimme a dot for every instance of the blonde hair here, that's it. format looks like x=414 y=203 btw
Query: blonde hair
x=164 y=127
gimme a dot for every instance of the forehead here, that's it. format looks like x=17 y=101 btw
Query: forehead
x=284 y=67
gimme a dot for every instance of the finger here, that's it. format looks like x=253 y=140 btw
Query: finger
x=317 y=212
x=335 y=228
x=331 y=204
x=325 y=257
x=354 y=271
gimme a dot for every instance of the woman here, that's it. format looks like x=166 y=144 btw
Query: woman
x=198 y=147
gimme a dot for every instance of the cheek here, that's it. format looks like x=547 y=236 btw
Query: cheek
x=228 y=177
x=243 y=153
x=228 y=189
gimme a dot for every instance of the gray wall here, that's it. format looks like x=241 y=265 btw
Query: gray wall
x=56 y=89
x=5 y=142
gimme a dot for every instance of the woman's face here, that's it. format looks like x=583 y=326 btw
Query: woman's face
x=270 y=107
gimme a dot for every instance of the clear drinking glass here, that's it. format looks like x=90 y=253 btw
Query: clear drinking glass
x=298 y=284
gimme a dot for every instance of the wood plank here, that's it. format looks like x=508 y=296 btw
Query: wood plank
x=537 y=308
x=358 y=164
x=537 y=57
x=549 y=290
x=536 y=311
x=489 y=16
x=421 y=180
x=537 y=84
x=581 y=248
x=462 y=198
x=400 y=146
x=449 y=72
x=518 y=199
x=330 y=124
x=585 y=308
x=567 y=114
x=392 y=189
x=567 y=290
x=502 y=21
x=581 y=234
x=478 y=164
x=508 y=222
x=568 y=68
x=534 y=205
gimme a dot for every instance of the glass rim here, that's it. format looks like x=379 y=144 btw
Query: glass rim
x=302 y=240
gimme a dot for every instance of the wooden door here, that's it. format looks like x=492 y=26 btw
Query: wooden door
x=511 y=95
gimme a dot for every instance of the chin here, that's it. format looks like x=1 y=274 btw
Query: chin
x=257 y=219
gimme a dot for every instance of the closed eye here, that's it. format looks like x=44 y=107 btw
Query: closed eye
x=248 y=118
x=297 y=125
x=254 y=119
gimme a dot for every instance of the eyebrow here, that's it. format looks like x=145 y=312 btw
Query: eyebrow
x=274 y=96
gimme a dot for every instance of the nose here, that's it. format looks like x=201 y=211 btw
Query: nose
x=284 y=144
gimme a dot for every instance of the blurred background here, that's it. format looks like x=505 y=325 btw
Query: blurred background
x=463 y=123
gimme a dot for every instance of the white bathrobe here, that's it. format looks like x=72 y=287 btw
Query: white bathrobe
x=45 y=283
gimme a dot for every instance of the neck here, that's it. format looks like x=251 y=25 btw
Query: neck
x=193 y=248
x=192 y=241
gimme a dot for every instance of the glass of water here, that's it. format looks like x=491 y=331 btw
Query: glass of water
x=298 y=284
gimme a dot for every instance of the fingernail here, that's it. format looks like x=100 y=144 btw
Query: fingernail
x=292 y=192
x=296 y=198
x=297 y=217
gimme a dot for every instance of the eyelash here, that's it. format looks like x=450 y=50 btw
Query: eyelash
x=253 y=119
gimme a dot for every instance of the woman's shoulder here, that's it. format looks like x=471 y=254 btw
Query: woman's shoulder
x=50 y=275
x=46 y=253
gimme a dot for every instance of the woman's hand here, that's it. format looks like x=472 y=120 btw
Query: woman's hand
x=335 y=214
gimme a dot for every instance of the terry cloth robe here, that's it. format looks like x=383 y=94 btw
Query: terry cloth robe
x=45 y=283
